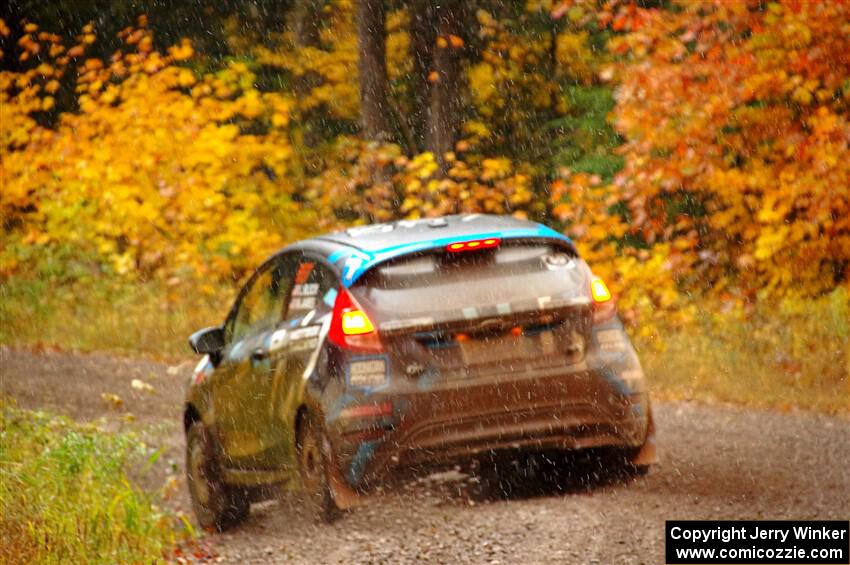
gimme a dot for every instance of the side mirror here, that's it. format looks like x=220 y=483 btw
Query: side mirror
x=207 y=340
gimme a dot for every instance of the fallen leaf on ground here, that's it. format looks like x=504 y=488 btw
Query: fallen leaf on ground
x=113 y=400
x=141 y=385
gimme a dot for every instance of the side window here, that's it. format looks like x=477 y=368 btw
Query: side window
x=262 y=306
x=314 y=283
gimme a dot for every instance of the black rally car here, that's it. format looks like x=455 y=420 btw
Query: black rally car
x=347 y=355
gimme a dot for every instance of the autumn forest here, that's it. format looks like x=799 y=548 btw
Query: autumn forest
x=697 y=153
x=153 y=154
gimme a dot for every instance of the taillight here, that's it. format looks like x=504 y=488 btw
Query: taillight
x=351 y=327
x=473 y=245
x=604 y=306
x=599 y=291
x=356 y=322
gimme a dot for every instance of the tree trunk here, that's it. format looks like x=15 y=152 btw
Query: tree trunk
x=373 y=70
x=423 y=34
x=303 y=22
x=445 y=82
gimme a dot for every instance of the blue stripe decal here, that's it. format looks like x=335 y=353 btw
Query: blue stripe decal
x=358 y=465
x=355 y=263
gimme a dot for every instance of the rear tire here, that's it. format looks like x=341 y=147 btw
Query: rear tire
x=313 y=470
x=217 y=505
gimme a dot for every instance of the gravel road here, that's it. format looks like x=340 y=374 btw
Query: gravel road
x=718 y=462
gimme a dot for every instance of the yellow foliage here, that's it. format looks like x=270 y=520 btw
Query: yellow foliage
x=482 y=84
x=574 y=57
x=149 y=178
x=399 y=62
x=333 y=63
x=377 y=183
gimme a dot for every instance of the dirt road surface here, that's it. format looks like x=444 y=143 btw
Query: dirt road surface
x=717 y=463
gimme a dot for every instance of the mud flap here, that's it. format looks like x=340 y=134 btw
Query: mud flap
x=343 y=495
x=647 y=454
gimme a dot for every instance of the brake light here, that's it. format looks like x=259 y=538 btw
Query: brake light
x=604 y=306
x=473 y=245
x=351 y=327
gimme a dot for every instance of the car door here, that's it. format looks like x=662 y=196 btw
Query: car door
x=306 y=324
x=241 y=391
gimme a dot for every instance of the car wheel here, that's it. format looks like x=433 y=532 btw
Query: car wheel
x=216 y=505
x=313 y=470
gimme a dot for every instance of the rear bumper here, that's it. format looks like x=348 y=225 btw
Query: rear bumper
x=546 y=413
x=562 y=427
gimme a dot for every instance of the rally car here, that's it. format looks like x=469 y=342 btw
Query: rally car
x=349 y=355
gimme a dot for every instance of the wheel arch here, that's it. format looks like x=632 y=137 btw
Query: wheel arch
x=190 y=415
x=300 y=417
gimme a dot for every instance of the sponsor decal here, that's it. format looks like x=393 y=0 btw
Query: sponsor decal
x=303 y=303
x=304 y=270
x=303 y=333
x=304 y=345
x=277 y=340
x=306 y=289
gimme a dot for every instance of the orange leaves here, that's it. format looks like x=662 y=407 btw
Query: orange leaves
x=745 y=125
x=737 y=163
x=76 y=51
x=583 y=203
x=453 y=41
x=644 y=280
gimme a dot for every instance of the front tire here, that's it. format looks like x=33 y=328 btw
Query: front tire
x=217 y=505
x=313 y=470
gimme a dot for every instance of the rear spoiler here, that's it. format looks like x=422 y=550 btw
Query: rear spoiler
x=354 y=263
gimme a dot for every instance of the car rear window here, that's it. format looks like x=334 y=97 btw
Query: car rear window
x=424 y=284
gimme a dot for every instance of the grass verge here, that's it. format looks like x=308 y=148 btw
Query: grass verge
x=151 y=318
x=786 y=355
x=65 y=495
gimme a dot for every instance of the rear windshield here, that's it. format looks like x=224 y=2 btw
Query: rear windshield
x=425 y=284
